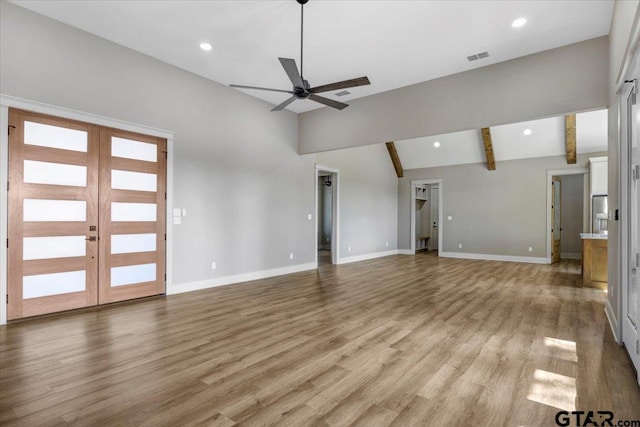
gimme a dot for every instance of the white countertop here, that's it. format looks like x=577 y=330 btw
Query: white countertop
x=593 y=236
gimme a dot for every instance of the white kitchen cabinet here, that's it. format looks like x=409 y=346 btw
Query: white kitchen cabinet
x=599 y=171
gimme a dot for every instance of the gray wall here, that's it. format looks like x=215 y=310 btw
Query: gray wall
x=551 y=83
x=571 y=212
x=237 y=170
x=625 y=13
x=423 y=218
x=500 y=212
x=368 y=198
x=236 y=167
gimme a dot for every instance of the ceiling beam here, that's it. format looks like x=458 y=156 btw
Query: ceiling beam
x=395 y=159
x=570 y=138
x=488 y=149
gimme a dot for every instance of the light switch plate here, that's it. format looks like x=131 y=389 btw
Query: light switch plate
x=177 y=220
x=184 y=212
x=449 y=218
x=309 y=217
x=177 y=212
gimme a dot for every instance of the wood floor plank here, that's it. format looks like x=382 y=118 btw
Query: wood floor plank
x=401 y=340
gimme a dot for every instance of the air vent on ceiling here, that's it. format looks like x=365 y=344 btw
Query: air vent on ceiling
x=343 y=93
x=477 y=56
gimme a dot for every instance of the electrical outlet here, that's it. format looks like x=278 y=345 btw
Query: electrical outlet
x=530 y=249
x=349 y=248
x=291 y=255
x=177 y=220
x=184 y=212
x=386 y=244
x=459 y=245
x=309 y=217
x=213 y=265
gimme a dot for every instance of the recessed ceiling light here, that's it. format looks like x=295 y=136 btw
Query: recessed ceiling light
x=205 y=46
x=527 y=132
x=519 y=22
x=436 y=144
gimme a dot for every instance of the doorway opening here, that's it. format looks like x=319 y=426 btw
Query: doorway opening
x=327 y=180
x=567 y=213
x=426 y=215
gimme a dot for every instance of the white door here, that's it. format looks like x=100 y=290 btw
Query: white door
x=435 y=218
x=631 y=286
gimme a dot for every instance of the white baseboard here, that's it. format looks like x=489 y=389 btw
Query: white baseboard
x=356 y=258
x=491 y=257
x=239 y=278
x=405 y=252
x=613 y=322
x=570 y=255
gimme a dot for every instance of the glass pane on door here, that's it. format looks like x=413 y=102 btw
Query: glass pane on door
x=54 y=173
x=55 y=137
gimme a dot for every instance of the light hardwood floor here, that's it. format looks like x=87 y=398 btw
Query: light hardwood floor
x=400 y=341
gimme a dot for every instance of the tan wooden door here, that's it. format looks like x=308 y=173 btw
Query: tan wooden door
x=556 y=230
x=86 y=215
x=53 y=209
x=132 y=215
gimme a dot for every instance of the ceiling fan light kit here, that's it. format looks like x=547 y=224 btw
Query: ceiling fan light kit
x=301 y=87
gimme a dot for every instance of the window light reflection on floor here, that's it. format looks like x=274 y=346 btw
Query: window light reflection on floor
x=565 y=350
x=558 y=391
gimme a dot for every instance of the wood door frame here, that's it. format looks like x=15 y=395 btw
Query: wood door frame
x=7 y=102
x=412 y=222
x=585 y=205
x=335 y=213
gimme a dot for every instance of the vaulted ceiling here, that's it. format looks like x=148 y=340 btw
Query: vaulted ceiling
x=395 y=43
x=545 y=137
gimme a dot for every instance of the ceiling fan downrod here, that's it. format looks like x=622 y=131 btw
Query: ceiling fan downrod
x=302 y=3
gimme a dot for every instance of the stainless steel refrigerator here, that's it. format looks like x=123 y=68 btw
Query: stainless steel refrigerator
x=599 y=214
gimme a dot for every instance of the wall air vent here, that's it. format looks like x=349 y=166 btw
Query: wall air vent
x=477 y=56
x=343 y=93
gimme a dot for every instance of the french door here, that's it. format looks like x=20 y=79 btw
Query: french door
x=86 y=215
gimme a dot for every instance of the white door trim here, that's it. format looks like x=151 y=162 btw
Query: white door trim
x=6 y=102
x=412 y=199
x=628 y=336
x=335 y=213
x=585 y=194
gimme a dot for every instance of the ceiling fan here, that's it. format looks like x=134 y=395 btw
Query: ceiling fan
x=301 y=88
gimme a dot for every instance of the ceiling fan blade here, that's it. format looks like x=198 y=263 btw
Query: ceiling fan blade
x=329 y=102
x=284 y=104
x=261 y=88
x=360 y=81
x=291 y=69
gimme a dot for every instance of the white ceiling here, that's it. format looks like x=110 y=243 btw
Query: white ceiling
x=509 y=142
x=395 y=43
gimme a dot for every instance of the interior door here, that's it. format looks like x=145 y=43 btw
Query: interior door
x=631 y=289
x=556 y=230
x=435 y=218
x=53 y=214
x=132 y=215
